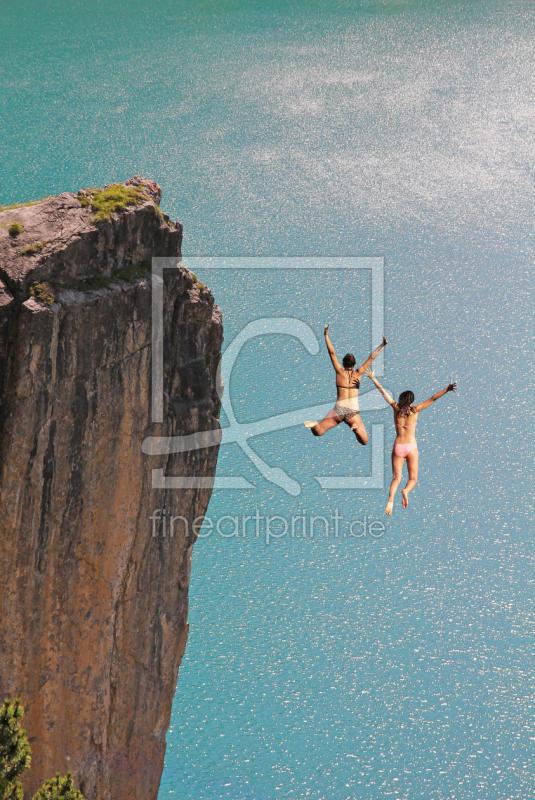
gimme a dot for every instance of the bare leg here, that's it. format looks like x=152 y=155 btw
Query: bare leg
x=357 y=426
x=397 y=468
x=330 y=421
x=412 y=466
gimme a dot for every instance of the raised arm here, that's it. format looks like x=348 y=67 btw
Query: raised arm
x=451 y=387
x=372 y=357
x=385 y=394
x=330 y=348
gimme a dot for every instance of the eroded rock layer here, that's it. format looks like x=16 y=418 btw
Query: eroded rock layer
x=93 y=607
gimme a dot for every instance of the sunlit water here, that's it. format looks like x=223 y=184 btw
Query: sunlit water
x=399 y=666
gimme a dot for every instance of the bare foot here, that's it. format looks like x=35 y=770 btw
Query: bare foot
x=311 y=424
x=405 y=501
x=389 y=507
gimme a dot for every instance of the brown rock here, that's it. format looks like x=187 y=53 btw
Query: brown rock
x=93 y=609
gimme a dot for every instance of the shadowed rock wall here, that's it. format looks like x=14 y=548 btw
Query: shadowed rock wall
x=93 y=609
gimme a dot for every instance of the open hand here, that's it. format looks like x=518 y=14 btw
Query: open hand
x=452 y=387
x=384 y=342
x=326 y=329
x=370 y=373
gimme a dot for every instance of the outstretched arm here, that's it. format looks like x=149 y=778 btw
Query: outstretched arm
x=372 y=357
x=385 y=394
x=451 y=387
x=330 y=348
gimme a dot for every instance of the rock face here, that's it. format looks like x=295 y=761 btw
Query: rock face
x=93 y=607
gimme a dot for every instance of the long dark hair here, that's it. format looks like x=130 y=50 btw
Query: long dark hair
x=348 y=361
x=405 y=401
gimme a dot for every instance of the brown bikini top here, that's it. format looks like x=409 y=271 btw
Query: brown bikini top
x=356 y=383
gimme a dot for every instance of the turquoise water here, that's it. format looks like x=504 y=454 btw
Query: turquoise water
x=320 y=667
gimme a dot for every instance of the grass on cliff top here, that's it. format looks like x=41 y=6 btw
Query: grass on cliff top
x=34 y=248
x=105 y=202
x=198 y=283
x=11 y=206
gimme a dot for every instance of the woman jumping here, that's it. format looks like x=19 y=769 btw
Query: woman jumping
x=347 y=389
x=405 y=418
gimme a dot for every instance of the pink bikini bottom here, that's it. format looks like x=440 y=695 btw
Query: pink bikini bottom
x=403 y=449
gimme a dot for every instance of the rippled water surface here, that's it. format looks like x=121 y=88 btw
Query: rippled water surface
x=320 y=667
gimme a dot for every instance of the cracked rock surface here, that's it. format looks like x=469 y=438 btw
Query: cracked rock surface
x=93 y=607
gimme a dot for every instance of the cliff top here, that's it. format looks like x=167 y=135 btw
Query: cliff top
x=70 y=238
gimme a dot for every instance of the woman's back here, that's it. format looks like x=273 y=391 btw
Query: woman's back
x=405 y=420
x=347 y=384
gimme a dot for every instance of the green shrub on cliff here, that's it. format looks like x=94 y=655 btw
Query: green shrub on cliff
x=132 y=272
x=15 y=228
x=42 y=291
x=59 y=788
x=96 y=282
x=15 y=752
x=105 y=202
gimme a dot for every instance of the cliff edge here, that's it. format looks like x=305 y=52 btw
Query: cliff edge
x=93 y=607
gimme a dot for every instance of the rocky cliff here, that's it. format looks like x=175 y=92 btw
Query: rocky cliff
x=93 y=607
